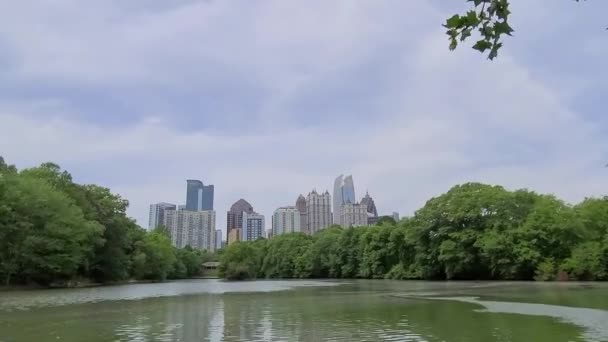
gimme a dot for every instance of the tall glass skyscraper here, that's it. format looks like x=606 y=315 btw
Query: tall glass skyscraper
x=344 y=192
x=348 y=190
x=199 y=196
x=207 y=197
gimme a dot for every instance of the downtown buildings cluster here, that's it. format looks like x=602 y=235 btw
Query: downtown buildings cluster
x=194 y=224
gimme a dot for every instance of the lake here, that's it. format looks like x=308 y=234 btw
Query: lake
x=307 y=310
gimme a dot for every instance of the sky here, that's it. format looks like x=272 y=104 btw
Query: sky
x=269 y=99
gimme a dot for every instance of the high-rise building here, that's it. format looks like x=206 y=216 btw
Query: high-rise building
x=157 y=214
x=318 y=208
x=344 y=192
x=338 y=198
x=234 y=217
x=369 y=203
x=253 y=227
x=286 y=220
x=348 y=190
x=218 y=239
x=199 y=196
x=301 y=206
x=353 y=215
x=372 y=212
x=191 y=228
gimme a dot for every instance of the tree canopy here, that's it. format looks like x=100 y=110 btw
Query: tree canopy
x=56 y=232
x=473 y=231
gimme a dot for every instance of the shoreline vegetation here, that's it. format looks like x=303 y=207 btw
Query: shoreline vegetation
x=56 y=233
x=473 y=232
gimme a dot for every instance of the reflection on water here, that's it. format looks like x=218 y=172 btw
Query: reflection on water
x=240 y=318
x=308 y=311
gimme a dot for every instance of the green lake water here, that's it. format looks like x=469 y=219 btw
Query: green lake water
x=360 y=310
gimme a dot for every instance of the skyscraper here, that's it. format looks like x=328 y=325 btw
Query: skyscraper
x=348 y=190
x=369 y=203
x=199 y=196
x=234 y=217
x=301 y=206
x=218 y=239
x=191 y=228
x=253 y=226
x=286 y=220
x=372 y=212
x=157 y=214
x=338 y=198
x=318 y=208
x=344 y=192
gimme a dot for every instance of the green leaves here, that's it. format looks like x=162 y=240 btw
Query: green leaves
x=453 y=22
x=502 y=28
x=489 y=18
x=482 y=45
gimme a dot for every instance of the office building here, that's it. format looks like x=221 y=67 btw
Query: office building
x=253 y=227
x=234 y=217
x=218 y=239
x=372 y=212
x=157 y=214
x=191 y=228
x=353 y=215
x=318 y=208
x=344 y=192
x=301 y=206
x=198 y=196
x=286 y=220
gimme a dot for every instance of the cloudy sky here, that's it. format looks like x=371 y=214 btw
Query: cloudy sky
x=272 y=98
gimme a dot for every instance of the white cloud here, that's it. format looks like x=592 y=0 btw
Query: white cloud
x=440 y=117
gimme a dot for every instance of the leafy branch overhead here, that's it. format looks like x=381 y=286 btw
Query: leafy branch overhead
x=490 y=18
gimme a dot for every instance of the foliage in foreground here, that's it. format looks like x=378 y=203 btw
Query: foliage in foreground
x=54 y=231
x=474 y=231
x=487 y=20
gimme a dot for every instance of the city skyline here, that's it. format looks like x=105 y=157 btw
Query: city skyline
x=233 y=216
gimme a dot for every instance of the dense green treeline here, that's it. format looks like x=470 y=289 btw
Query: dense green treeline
x=56 y=232
x=474 y=231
